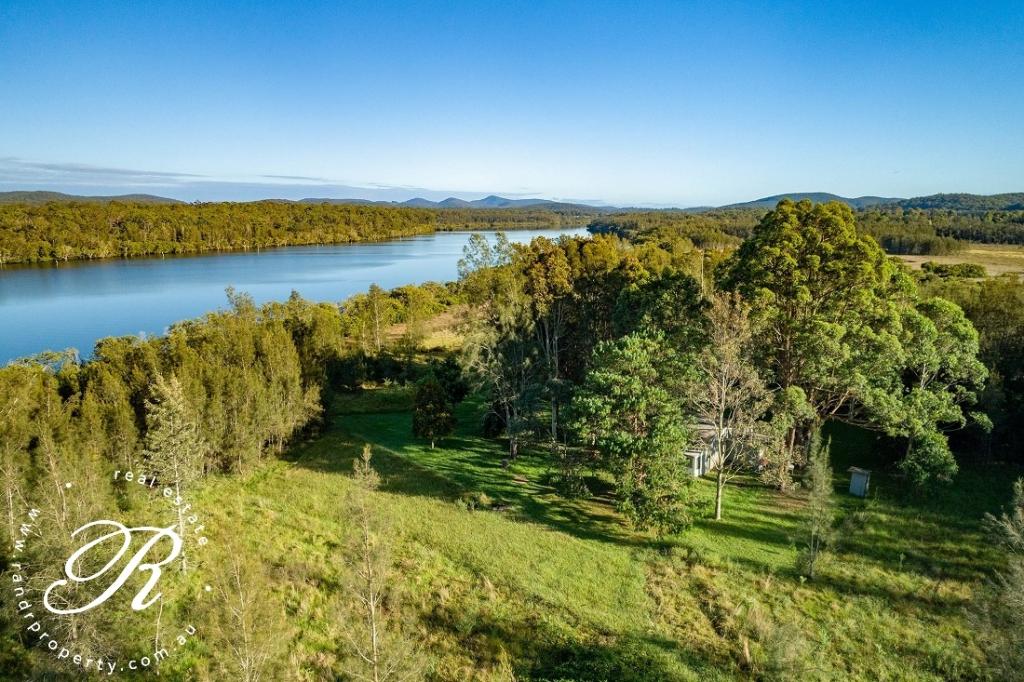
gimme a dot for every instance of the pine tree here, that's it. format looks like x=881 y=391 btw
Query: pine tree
x=378 y=651
x=819 y=515
x=247 y=625
x=174 y=448
x=450 y=376
x=998 y=609
x=626 y=412
x=433 y=416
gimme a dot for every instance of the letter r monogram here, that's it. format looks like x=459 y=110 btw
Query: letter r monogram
x=134 y=564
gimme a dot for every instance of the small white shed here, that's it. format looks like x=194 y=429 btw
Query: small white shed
x=700 y=461
x=703 y=452
x=860 y=480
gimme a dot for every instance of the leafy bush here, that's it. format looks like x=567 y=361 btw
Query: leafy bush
x=960 y=270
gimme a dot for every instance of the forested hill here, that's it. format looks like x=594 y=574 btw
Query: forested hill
x=768 y=203
x=79 y=230
x=967 y=202
x=76 y=230
x=489 y=202
x=950 y=202
x=40 y=197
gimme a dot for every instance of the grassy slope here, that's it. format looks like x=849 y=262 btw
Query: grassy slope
x=566 y=588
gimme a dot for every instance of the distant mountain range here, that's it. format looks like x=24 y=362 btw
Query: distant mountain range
x=955 y=202
x=43 y=197
x=492 y=201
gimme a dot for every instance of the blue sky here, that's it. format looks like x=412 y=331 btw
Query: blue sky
x=649 y=103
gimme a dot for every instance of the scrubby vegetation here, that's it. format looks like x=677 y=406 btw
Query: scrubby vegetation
x=970 y=270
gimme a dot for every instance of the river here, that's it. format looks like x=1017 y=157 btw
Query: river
x=73 y=305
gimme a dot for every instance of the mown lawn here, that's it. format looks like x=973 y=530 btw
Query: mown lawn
x=566 y=590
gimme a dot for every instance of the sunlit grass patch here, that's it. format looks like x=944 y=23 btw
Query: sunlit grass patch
x=566 y=590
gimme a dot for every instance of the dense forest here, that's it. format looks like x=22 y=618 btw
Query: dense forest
x=68 y=231
x=589 y=355
x=511 y=218
x=1013 y=201
x=72 y=230
x=716 y=229
x=899 y=230
x=933 y=231
x=215 y=395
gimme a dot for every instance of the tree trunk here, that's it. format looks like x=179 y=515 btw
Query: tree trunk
x=376 y=325
x=718 y=492
x=513 y=443
x=181 y=519
x=9 y=494
x=812 y=558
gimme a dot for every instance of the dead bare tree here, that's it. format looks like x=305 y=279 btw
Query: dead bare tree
x=246 y=626
x=727 y=395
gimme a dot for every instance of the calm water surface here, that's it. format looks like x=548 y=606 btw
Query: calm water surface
x=73 y=305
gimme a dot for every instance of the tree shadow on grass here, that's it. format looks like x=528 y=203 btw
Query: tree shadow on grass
x=855 y=586
x=749 y=527
x=974 y=490
x=926 y=554
x=539 y=651
x=461 y=464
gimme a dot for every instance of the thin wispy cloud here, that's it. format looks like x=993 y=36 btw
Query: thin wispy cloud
x=12 y=165
x=89 y=179
x=304 y=178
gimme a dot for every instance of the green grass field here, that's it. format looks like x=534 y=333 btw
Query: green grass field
x=564 y=589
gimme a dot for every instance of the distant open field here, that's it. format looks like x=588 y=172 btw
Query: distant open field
x=998 y=259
